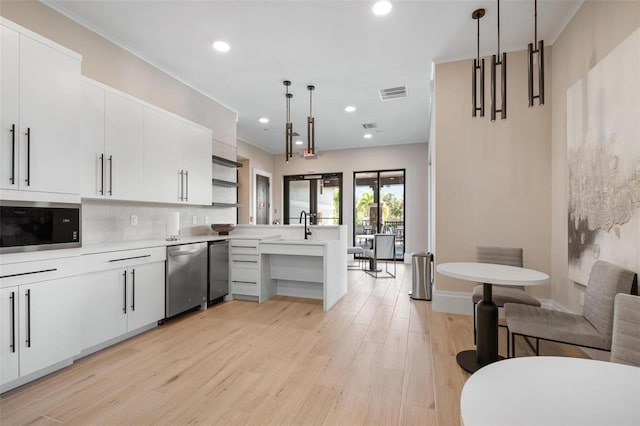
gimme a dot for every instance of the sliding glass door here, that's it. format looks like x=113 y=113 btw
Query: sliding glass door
x=319 y=195
x=378 y=204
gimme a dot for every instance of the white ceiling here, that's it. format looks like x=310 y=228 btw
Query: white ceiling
x=340 y=46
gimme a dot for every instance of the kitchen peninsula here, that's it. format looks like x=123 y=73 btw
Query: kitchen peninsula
x=289 y=265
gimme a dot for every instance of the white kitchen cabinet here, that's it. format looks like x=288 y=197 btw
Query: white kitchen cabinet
x=40 y=319
x=112 y=147
x=196 y=161
x=123 y=291
x=40 y=92
x=177 y=160
x=163 y=173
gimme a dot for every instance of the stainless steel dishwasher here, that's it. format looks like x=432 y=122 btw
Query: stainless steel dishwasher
x=218 y=269
x=186 y=285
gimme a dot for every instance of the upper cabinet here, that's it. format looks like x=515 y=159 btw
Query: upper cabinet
x=40 y=99
x=134 y=151
x=112 y=144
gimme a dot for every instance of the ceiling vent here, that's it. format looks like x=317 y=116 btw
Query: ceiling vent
x=393 y=93
x=370 y=125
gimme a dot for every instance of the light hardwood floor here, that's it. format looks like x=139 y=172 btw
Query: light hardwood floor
x=376 y=358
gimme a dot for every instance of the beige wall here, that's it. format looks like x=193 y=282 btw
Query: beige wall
x=492 y=180
x=108 y=63
x=256 y=159
x=596 y=29
x=412 y=157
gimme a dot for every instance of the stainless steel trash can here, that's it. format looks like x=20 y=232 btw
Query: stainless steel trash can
x=421 y=275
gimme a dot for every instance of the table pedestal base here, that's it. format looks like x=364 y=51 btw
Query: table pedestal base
x=468 y=360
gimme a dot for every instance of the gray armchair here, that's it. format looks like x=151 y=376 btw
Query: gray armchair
x=625 y=346
x=592 y=329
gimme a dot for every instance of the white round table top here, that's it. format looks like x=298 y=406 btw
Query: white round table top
x=491 y=273
x=552 y=391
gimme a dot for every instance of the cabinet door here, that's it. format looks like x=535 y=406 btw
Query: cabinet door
x=196 y=160
x=103 y=316
x=123 y=147
x=146 y=301
x=9 y=338
x=9 y=101
x=49 y=323
x=49 y=111
x=162 y=157
x=92 y=162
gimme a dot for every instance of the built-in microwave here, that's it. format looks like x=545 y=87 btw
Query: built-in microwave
x=32 y=226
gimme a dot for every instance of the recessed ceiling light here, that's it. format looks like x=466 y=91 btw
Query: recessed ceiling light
x=368 y=135
x=298 y=142
x=350 y=108
x=382 y=7
x=263 y=119
x=221 y=46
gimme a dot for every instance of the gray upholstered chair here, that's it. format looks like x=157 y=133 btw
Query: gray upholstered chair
x=625 y=346
x=501 y=294
x=592 y=329
x=358 y=255
x=384 y=248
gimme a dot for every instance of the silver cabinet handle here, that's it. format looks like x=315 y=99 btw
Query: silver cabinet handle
x=181 y=190
x=186 y=174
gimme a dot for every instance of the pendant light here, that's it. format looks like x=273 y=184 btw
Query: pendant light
x=288 y=139
x=311 y=131
x=539 y=52
x=477 y=71
x=497 y=61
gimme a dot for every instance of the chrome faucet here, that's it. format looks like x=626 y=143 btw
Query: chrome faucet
x=307 y=231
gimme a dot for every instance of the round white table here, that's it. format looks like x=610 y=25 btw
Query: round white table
x=487 y=311
x=552 y=391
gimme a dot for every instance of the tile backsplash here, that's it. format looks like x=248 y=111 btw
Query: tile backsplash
x=105 y=221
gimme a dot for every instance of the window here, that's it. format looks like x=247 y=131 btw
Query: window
x=317 y=194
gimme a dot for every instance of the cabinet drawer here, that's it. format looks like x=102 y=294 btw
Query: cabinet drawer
x=244 y=261
x=41 y=270
x=244 y=250
x=123 y=258
x=244 y=275
x=247 y=289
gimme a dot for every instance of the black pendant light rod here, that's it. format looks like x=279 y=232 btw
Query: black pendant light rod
x=478 y=67
x=540 y=56
x=311 y=143
x=288 y=141
x=502 y=63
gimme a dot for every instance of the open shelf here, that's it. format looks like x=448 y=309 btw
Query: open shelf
x=217 y=204
x=226 y=183
x=225 y=162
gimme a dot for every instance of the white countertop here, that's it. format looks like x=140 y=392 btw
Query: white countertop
x=117 y=246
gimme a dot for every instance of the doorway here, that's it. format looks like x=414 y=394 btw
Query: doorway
x=319 y=195
x=378 y=206
x=262 y=200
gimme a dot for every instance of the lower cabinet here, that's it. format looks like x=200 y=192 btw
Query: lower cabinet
x=40 y=324
x=245 y=268
x=123 y=292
